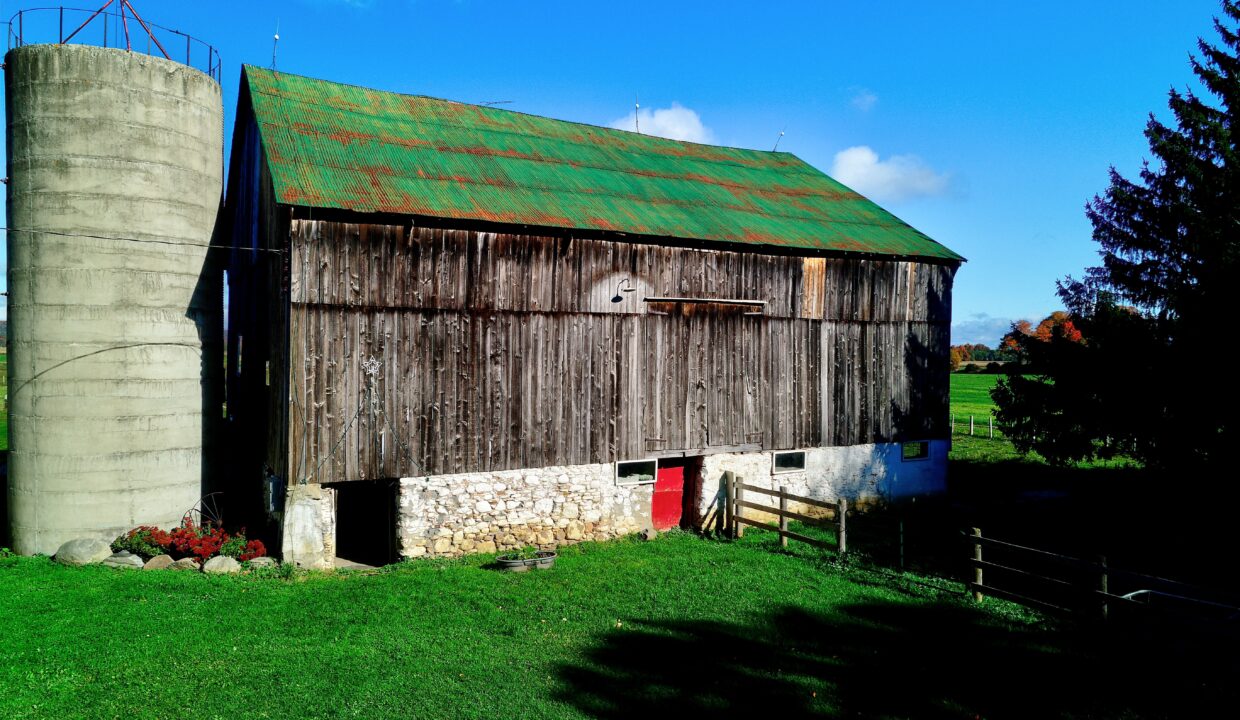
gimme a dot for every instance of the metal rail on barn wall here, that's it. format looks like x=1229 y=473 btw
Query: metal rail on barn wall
x=109 y=26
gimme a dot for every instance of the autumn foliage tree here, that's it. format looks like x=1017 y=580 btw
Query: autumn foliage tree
x=1145 y=379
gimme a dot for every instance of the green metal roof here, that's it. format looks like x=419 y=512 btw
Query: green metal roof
x=341 y=146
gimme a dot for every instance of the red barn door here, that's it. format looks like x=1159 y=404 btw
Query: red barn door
x=668 y=502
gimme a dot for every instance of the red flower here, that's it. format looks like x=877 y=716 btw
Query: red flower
x=253 y=549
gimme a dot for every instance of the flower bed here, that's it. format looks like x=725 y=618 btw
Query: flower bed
x=190 y=540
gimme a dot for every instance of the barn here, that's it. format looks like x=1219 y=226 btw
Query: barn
x=455 y=328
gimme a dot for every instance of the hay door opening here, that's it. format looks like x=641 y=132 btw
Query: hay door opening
x=366 y=522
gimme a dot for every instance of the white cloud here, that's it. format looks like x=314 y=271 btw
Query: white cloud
x=675 y=123
x=980 y=328
x=899 y=177
x=863 y=100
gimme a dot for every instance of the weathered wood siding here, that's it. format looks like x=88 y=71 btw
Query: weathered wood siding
x=257 y=400
x=496 y=351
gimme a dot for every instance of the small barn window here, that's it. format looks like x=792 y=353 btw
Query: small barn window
x=786 y=462
x=636 y=472
x=915 y=450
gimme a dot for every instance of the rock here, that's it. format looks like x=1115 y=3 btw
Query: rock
x=443 y=544
x=159 y=562
x=263 y=562
x=184 y=564
x=486 y=546
x=124 y=559
x=83 y=551
x=570 y=511
x=221 y=565
x=573 y=531
x=648 y=534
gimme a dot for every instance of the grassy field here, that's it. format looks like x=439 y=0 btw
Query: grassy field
x=678 y=626
x=970 y=395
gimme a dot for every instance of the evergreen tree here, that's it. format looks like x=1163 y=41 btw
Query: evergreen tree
x=1151 y=380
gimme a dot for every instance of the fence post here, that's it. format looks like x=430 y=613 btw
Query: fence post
x=992 y=427
x=740 y=496
x=783 y=519
x=1102 y=586
x=977 y=568
x=729 y=503
x=841 y=518
x=900 y=530
x=970 y=425
x=953 y=430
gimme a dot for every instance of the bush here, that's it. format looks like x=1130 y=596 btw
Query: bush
x=145 y=541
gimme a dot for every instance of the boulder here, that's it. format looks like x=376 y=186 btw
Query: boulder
x=648 y=534
x=221 y=565
x=124 y=559
x=184 y=564
x=159 y=562
x=83 y=551
x=264 y=562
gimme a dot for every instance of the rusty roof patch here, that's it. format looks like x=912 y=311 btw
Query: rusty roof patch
x=341 y=146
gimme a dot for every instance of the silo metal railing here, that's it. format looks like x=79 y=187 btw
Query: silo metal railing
x=109 y=26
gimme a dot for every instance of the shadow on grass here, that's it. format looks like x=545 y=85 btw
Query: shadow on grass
x=939 y=660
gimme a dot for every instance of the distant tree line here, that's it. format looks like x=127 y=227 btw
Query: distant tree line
x=979 y=353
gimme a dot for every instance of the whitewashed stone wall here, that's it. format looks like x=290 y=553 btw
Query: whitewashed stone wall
x=447 y=515
x=309 y=537
x=861 y=473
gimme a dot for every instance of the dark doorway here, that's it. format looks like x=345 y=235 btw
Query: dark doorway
x=366 y=521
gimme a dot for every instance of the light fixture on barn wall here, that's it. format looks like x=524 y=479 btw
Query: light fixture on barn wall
x=620 y=288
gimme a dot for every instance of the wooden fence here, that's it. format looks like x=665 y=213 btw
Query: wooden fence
x=735 y=489
x=978 y=427
x=1080 y=586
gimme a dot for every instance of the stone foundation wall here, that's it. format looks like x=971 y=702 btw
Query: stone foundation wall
x=448 y=515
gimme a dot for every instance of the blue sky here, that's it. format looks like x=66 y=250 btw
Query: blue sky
x=987 y=125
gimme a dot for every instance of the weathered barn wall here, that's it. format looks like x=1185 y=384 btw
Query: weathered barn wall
x=496 y=352
x=256 y=428
x=114 y=186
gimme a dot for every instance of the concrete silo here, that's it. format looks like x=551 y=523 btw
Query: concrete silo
x=114 y=167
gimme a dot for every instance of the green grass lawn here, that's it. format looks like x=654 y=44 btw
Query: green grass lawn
x=679 y=626
x=970 y=395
